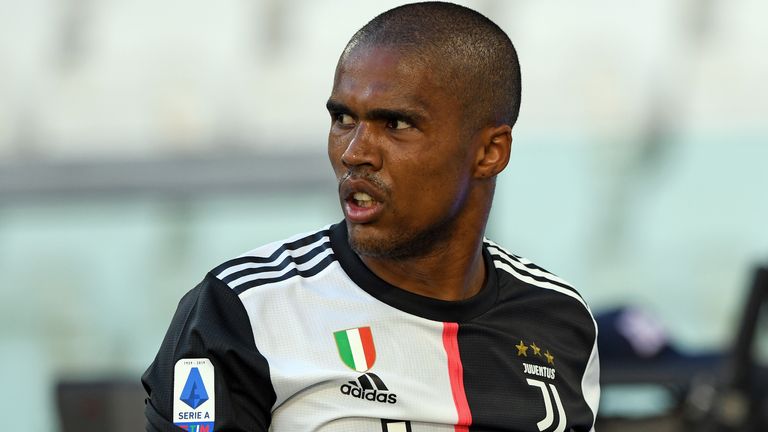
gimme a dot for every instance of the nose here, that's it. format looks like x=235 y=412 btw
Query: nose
x=363 y=149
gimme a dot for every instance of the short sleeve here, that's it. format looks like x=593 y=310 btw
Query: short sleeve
x=211 y=327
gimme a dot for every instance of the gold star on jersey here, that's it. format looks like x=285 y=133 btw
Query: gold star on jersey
x=522 y=349
x=546 y=360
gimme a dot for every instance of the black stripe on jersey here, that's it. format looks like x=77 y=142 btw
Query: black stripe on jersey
x=379 y=383
x=508 y=261
x=520 y=260
x=296 y=244
x=517 y=258
x=320 y=266
x=365 y=382
x=301 y=259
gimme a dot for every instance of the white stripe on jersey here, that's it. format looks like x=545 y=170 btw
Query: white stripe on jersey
x=276 y=274
x=541 y=284
x=522 y=263
x=590 y=382
x=264 y=254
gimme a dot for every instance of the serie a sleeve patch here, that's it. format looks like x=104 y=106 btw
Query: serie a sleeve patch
x=194 y=397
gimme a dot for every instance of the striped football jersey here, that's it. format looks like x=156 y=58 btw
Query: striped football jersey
x=300 y=335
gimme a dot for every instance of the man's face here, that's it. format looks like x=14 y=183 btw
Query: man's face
x=400 y=153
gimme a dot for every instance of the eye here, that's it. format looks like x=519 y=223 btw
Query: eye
x=399 y=124
x=344 y=119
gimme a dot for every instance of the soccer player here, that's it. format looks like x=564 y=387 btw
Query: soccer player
x=402 y=317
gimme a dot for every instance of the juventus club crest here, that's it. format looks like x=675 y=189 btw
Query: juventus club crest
x=356 y=348
x=542 y=365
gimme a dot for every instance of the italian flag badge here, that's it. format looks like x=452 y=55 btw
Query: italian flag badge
x=356 y=348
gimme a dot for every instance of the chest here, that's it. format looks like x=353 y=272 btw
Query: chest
x=363 y=366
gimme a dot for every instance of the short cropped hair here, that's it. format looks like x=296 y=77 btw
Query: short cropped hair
x=475 y=57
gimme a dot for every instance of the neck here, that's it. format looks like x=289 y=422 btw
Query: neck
x=453 y=269
x=451 y=272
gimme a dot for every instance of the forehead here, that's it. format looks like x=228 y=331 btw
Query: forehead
x=386 y=75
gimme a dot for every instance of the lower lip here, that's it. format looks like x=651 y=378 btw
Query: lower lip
x=361 y=215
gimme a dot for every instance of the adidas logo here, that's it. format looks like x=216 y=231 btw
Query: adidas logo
x=370 y=387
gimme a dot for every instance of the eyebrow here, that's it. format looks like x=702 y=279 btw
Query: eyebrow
x=412 y=116
x=336 y=107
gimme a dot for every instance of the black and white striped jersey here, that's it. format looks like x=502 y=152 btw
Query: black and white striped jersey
x=300 y=336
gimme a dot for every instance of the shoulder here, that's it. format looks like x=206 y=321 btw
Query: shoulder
x=524 y=271
x=558 y=307
x=301 y=255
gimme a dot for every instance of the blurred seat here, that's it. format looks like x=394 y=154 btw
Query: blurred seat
x=649 y=385
x=114 y=405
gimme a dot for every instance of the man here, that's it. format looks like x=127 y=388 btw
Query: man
x=402 y=317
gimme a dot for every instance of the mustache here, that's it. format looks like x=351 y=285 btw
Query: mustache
x=353 y=174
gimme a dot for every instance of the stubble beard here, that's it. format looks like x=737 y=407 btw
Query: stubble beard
x=405 y=245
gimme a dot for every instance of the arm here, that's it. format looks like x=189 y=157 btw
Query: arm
x=210 y=323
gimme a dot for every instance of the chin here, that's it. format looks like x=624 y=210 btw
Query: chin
x=367 y=241
x=397 y=245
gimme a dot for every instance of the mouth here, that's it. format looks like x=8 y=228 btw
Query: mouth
x=362 y=201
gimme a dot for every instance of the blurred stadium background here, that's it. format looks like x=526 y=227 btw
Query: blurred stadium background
x=143 y=142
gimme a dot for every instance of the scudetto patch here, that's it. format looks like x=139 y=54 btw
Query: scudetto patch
x=194 y=395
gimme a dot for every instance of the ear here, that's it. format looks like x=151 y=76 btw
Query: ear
x=493 y=153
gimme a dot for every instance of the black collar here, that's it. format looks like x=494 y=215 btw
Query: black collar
x=425 y=307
